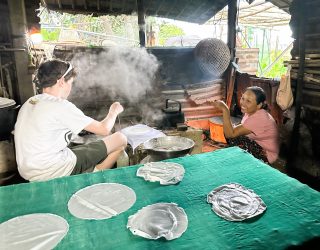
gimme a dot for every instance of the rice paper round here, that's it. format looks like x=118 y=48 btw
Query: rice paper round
x=234 y=202
x=33 y=231
x=159 y=220
x=101 y=201
x=167 y=173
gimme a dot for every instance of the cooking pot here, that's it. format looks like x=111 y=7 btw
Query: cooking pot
x=168 y=147
x=172 y=114
x=8 y=116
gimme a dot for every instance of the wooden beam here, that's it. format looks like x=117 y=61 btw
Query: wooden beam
x=159 y=7
x=110 y=6
x=85 y=4
x=98 y=5
x=253 y=5
x=147 y=6
x=141 y=23
x=173 y=5
x=295 y=136
x=18 y=24
x=87 y=11
x=123 y=4
x=232 y=19
x=197 y=9
x=256 y=12
x=182 y=10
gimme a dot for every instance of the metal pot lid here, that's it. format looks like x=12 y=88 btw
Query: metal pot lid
x=33 y=231
x=6 y=102
x=172 y=110
x=101 y=201
x=169 y=144
x=234 y=202
x=159 y=220
x=167 y=173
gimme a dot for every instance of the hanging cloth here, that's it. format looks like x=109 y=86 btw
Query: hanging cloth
x=284 y=94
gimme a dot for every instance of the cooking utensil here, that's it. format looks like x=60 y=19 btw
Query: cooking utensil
x=172 y=114
x=8 y=116
x=168 y=147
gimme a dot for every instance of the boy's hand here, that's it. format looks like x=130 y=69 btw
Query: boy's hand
x=116 y=108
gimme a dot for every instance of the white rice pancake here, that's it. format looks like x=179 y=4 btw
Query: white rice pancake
x=101 y=201
x=234 y=202
x=33 y=231
x=166 y=173
x=159 y=220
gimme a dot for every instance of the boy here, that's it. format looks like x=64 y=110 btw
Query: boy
x=46 y=122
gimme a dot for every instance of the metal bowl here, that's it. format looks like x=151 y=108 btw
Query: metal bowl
x=168 y=147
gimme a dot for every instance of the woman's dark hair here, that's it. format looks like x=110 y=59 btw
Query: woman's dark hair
x=260 y=96
x=50 y=71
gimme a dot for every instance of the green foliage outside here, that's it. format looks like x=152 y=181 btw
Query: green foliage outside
x=250 y=35
x=167 y=31
x=114 y=28
x=117 y=28
x=50 y=35
x=278 y=68
x=267 y=53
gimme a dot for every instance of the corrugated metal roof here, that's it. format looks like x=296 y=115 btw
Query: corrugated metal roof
x=260 y=13
x=282 y=4
x=185 y=10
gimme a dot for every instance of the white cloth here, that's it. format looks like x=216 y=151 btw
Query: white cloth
x=42 y=133
x=284 y=96
x=140 y=133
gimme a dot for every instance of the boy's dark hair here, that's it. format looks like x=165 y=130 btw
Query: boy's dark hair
x=50 y=71
x=260 y=96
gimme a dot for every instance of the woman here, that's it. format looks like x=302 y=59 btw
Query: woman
x=46 y=122
x=257 y=133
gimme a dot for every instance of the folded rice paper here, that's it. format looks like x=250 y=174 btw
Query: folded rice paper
x=234 y=202
x=140 y=133
x=101 y=201
x=159 y=220
x=33 y=231
x=167 y=173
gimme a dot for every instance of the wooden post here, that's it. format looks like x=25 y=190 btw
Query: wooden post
x=141 y=23
x=18 y=31
x=232 y=22
x=299 y=89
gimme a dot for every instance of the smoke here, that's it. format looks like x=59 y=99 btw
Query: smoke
x=119 y=73
x=151 y=116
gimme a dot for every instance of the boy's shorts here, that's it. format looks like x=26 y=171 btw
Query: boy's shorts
x=88 y=156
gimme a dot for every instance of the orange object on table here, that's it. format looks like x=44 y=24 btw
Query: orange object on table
x=216 y=128
x=199 y=124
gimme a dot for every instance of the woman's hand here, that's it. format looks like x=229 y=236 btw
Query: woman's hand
x=116 y=108
x=220 y=105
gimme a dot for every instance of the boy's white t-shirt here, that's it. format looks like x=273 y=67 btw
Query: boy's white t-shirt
x=42 y=133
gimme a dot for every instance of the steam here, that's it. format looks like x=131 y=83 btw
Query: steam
x=151 y=115
x=119 y=72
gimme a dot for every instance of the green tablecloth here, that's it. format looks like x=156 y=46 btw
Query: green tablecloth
x=292 y=216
